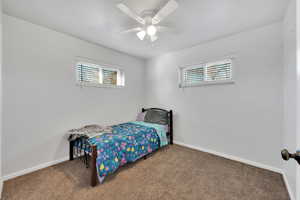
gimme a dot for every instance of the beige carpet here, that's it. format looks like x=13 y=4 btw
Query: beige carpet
x=171 y=173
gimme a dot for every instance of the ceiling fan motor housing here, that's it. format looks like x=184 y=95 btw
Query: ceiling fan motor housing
x=147 y=15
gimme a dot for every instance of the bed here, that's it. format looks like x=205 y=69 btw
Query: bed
x=126 y=143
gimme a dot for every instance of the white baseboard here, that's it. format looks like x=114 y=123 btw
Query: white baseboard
x=32 y=169
x=231 y=157
x=288 y=187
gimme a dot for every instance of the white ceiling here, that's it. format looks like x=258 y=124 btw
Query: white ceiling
x=196 y=21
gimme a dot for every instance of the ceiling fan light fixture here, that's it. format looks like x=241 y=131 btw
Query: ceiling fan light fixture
x=151 y=30
x=153 y=38
x=141 y=35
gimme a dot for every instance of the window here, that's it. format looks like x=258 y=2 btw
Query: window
x=206 y=73
x=95 y=75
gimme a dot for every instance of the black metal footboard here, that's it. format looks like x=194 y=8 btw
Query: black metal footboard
x=80 y=149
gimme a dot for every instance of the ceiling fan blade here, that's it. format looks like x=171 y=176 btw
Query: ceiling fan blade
x=130 y=13
x=170 y=7
x=163 y=29
x=136 y=29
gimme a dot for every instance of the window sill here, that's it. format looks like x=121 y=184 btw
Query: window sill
x=98 y=85
x=207 y=83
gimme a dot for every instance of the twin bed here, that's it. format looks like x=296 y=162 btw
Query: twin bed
x=125 y=143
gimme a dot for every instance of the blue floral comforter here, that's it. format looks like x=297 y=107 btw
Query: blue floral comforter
x=127 y=143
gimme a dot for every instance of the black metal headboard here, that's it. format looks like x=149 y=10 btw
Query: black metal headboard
x=169 y=121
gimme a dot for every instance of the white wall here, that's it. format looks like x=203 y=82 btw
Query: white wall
x=1 y=181
x=41 y=100
x=298 y=96
x=242 y=119
x=290 y=92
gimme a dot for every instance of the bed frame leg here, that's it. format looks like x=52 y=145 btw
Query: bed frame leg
x=71 y=153
x=93 y=167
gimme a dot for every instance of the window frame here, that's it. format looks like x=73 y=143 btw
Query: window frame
x=120 y=74
x=205 y=65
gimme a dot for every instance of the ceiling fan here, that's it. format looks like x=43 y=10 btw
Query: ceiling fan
x=149 y=20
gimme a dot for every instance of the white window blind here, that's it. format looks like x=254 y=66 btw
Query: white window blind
x=206 y=73
x=109 y=77
x=194 y=75
x=95 y=75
